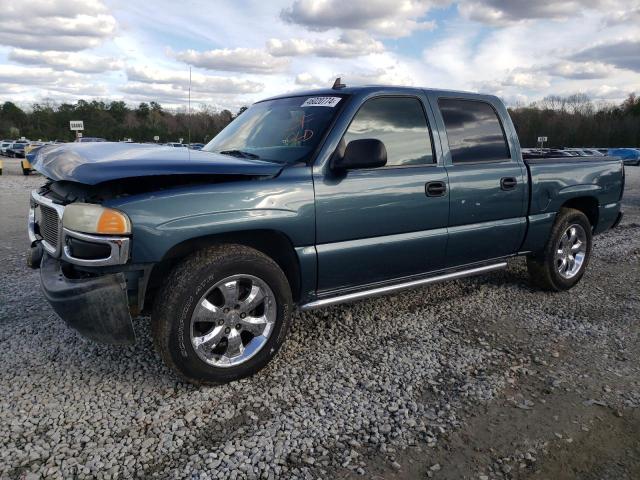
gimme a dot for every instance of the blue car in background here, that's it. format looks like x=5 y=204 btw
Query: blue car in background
x=630 y=156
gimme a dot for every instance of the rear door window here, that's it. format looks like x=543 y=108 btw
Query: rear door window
x=474 y=131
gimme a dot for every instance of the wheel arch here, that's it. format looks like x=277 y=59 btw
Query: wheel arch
x=272 y=243
x=587 y=205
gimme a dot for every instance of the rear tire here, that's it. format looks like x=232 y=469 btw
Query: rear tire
x=562 y=263
x=222 y=314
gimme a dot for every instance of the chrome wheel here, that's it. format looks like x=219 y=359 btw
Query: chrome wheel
x=233 y=320
x=571 y=251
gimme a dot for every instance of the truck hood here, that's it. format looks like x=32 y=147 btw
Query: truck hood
x=93 y=163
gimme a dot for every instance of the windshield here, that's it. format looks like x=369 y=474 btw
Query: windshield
x=284 y=130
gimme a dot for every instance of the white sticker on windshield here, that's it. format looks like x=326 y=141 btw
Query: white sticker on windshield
x=321 y=102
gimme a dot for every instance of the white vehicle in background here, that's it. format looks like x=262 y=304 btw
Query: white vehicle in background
x=89 y=139
x=176 y=144
x=576 y=152
x=4 y=145
x=593 y=152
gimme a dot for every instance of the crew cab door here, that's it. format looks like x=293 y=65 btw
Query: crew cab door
x=487 y=182
x=378 y=224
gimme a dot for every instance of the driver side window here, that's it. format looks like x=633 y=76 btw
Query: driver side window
x=399 y=123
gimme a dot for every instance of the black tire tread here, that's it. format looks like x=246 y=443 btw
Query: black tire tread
x=177 y=279
x=540 y=265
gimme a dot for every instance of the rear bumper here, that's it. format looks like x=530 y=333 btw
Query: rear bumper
x=96 y=307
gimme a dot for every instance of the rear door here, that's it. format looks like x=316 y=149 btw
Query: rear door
x=374 y=225
x=488 y=185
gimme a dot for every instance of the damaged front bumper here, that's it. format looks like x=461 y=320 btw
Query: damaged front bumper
x=97 y=307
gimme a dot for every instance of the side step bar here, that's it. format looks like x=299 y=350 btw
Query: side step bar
x=350 y=297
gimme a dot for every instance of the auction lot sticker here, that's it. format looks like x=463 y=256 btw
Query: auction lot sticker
x=321 y=102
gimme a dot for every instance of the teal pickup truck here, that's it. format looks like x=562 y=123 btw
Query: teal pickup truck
x=308 y=199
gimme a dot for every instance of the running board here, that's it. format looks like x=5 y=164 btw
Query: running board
x=350 y=297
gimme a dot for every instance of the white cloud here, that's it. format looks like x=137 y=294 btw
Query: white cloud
x=517 y=49
x=179 y=81
x=394 y=73
x=48 y=79
x=308 y=80
x=169 y=95
x=507 y=12
x=249 y=60
x=390 y=18
x=34 y=76
x=504 y=12
x=622 y=53
x=623 y=16
x=608 y=92
x=500 y=12
x=68 y=25
x=577 y=70
x=350 y=45
x=77 y=62
x=525 y=80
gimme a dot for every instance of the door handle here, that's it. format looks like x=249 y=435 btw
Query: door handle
x=508 y=183
x=435 y=189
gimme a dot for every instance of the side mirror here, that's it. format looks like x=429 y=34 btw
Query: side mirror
x=364 y=153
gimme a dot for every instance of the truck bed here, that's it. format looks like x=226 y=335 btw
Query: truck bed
x=597 y=182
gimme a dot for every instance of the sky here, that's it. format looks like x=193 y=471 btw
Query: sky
x=243 y=50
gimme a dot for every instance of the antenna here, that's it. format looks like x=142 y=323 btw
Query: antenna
x=337 y=85
x=189 y=116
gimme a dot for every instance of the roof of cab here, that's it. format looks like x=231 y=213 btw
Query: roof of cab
x=368 y=89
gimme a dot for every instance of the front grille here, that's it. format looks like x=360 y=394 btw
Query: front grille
x=48 y=223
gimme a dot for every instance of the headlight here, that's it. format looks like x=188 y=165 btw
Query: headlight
x=89 y=218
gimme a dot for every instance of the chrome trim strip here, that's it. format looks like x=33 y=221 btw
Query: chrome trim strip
x=53 y=250
x=118 y=255
x=400 y=286
x=31 y=225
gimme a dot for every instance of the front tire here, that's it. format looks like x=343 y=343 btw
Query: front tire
x=222 y=314
x=562 y=263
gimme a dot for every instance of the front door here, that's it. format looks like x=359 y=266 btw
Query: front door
x=378 y=224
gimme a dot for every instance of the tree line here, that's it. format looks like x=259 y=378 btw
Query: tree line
x=568 y=121
x=575 y=121
x=113 y=121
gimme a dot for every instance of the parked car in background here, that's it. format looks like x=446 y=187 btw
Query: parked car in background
x=196 y=146
x=593 y=152
x=578 y=152
x=585 y=152
x=90 y=139
x=630 y=156
x=4 y=145
x=16 y=150
x=29 y=152
x=176 y=144
x=309 y=199
x=556 y=152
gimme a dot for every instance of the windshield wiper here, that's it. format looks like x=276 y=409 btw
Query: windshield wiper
x=240 y=153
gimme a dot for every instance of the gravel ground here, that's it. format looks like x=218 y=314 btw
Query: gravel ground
x=480 y=378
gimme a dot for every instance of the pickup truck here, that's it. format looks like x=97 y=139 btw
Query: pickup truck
x=308 y=199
